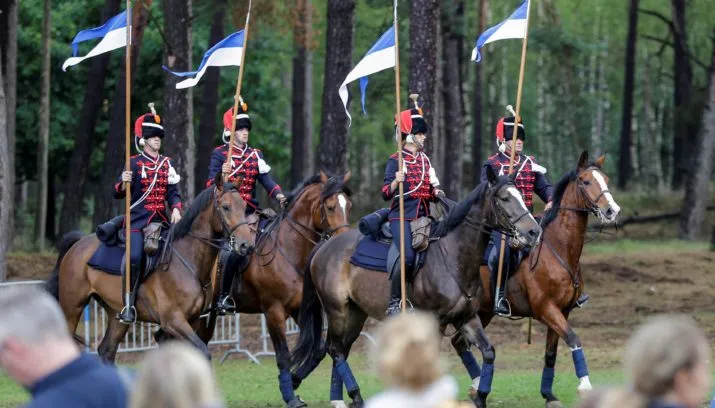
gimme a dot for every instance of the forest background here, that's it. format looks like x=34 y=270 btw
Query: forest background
x=633 y=79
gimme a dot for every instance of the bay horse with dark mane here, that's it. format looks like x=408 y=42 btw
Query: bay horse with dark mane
x=175 y=294
x=548 y=281
x=272 y=283
x=445 y=285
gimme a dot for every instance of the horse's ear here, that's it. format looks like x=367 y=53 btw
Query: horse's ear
x=218 y=181
x=491 y=175
x=583 y=160
x=323 y=177
x=599 y=161
x=347 y=176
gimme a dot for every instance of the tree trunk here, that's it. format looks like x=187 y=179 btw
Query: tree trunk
x=332 y=148
x=696 y=191
x=477 y=115
x=208 y=129
x=85 y=137
x=625 y=161
x=424 y=54
x=453 y=29
x=50 y=220
x=302 y=106
x=178 y=106
x=44 y=136
x=6 y=172
x=106 y=207
x=684 y=131
x=8 y=44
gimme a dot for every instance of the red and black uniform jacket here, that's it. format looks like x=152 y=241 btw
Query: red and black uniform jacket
x=418 y=187
x=530 y=178
x=248 y=164
x=151 y=189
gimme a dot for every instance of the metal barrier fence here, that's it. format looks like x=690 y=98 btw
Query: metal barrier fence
x=140 y=336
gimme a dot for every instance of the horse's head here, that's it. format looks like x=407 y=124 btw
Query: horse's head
x=510 y=210
x=323 y=205
x=592 y=185
x=230 y=216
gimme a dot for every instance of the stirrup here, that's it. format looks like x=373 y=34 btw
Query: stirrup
x=582 y=300
x=226 y=305
x=395 y=306
x=505 y=309
x=128 y=315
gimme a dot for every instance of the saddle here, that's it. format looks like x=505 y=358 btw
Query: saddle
x=377 y=226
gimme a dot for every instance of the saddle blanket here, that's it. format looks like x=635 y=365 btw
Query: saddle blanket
x=108 y=259
x=371 y=254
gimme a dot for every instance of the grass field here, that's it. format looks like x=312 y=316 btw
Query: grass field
x=245 y=384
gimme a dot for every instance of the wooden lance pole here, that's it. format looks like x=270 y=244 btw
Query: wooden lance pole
x=517 y=119
x=127 y=165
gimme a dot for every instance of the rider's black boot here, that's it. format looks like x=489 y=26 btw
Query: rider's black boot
x=128 y=315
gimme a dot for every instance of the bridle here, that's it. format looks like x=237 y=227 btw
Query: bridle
x=227 y=231
x=591 y=205
x=324 y=231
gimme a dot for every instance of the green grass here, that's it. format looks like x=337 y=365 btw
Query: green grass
x=245 y=384
x=641 y=246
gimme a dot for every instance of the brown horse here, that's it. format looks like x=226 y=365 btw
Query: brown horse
x=272 y=283
x=445 y=285
x=548 y=281
x=175 y=294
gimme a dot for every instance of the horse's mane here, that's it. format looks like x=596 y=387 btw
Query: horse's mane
x=459 y=212
x=183 y=227
x=559 y=191
x=333 y=186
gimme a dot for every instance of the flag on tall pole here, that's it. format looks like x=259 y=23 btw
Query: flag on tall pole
x=380 y=57
x=113 y=34
x=239 y=81
x=513 y=27
x=227 y=52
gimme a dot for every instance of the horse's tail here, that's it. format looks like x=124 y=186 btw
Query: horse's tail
x=52 y=285
x=310 y=350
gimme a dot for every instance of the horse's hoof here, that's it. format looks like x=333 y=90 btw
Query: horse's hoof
x=357 y=404
x=297 y=402
x=479 y=399
x=554 y=404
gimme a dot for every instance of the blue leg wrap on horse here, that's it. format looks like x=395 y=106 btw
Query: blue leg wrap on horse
x=547 y=380
x=347 y=375
x=470 y=363
x=336 y=386
x=579 y=362
x=286 y=385
x=485 y=383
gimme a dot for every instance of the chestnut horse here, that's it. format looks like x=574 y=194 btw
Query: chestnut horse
x=175 y=294
x=272 y=283
x=445 y=285
x=548 y=281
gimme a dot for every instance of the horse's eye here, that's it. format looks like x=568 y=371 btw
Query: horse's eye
x=331 y=209
x=226 y=207
x=586 y=183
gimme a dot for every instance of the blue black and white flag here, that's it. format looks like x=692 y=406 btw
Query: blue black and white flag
x=513 y=27
x=226 y=52
x=113 y=34
x=380 y=57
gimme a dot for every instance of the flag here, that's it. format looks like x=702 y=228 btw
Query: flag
x=512 y=27
x=113 y=34
x=380 y=57
x=226 y=52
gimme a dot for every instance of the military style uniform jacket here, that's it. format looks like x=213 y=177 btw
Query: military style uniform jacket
x=248 y=164
x=420 y=182
x=154 y=183
x=530 y=177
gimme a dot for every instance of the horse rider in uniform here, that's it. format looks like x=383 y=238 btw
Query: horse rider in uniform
x=530 y=179
x=153 y=184
x=420 y=187
x=247 y=163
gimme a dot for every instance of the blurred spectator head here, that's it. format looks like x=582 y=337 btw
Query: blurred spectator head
x=175 y=375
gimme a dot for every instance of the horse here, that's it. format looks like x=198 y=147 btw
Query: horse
x=548 y=281
x=272 y=283
x=446 y=284
x=175 y=294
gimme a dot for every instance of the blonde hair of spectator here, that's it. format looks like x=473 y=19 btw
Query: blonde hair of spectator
x=408 y=351
x=654 y=355
x=175 y=376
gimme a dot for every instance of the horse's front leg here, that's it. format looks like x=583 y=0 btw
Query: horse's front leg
x=462 y=347
x=474 y=333
x=547 y=375
x=556 y=320
x=276 y=321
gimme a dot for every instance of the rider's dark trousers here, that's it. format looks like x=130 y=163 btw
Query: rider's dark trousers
x=496 y=240
x=409 y=251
